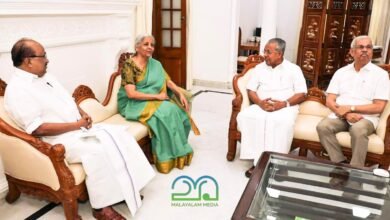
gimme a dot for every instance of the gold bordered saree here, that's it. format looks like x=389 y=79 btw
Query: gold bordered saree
x=168 y=123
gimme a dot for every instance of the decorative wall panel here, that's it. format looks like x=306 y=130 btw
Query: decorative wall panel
x=328 y=28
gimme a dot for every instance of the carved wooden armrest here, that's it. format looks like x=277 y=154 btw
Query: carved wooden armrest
x=7 y=129
x=56 y=153
x=83 y=92
x=316 y=94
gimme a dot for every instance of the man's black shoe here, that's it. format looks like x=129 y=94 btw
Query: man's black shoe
x=249 y=172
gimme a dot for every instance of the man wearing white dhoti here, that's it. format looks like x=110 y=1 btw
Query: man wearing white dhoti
x=276 y=88
x=115 y=167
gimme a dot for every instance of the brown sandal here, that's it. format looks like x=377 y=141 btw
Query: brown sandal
x=107 y=213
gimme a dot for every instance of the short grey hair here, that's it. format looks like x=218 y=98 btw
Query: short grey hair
x=361 y=37
x=280 y=44
x=140 y=38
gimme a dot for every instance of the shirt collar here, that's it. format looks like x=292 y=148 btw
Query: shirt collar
x=281 y=65
x=368 y=67
x=25 y=75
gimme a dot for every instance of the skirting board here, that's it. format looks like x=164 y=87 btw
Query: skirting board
x=212 y=84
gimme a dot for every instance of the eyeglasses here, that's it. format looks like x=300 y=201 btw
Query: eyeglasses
x=268 y=52
x=39 y=56
x=361 y=47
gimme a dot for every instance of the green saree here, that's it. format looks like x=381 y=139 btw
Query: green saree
x=169 y=125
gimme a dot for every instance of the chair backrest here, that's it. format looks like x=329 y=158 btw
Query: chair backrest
x=3 y=113
x=241 y=80
x=253 y=60
x=112 y=100
x=36 y=167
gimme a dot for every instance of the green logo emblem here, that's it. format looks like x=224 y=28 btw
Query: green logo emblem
x=205 y=188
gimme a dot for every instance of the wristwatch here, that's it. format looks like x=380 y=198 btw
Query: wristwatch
x=287 y=103
x=353 y=108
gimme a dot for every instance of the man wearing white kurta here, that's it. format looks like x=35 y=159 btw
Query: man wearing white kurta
x=275 y=88
x=115 y=167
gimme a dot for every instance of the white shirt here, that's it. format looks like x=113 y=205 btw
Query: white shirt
x=31 y=101
x=360 y=88
x=279 y=83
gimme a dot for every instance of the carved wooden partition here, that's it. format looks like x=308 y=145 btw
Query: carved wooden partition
x=328 y=28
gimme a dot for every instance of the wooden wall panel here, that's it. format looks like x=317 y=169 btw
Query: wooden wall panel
x=328 y=28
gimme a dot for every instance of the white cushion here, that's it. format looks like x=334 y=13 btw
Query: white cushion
x=78 y=172
x=242 y=82
x=96 y=110
x=314 y=108
x=136 y=129
x=113 y=103
x=4 y=115
x=305 y=129
x=381 y=129
x=375 y=143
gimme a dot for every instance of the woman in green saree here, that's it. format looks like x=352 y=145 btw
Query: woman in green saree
x=148 y=95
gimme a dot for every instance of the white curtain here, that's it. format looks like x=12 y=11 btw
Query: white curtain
x=144 y=17
x=379 y=24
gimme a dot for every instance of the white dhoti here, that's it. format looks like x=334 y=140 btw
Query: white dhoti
x=115 y=166
x=265 y=131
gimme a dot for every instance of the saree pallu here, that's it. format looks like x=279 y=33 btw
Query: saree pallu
x=168 y=123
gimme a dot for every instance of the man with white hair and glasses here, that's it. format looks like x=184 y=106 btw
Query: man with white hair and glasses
x=357 y=95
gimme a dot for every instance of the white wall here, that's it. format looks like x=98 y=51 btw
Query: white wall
x=82 y=37
x=288 y=25
x=249 y=17
x=213 y=37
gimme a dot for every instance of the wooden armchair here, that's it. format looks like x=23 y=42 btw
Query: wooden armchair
x=37 y=168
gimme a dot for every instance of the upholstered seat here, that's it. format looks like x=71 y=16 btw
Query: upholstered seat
x=307 y=120
x=37 y=168
x=311 y=112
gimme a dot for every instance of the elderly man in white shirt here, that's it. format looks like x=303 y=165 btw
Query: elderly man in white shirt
x=357 y=95
x=275 y=89
x=115 y=166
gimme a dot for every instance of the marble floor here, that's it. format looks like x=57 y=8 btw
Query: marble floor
x=211 y=111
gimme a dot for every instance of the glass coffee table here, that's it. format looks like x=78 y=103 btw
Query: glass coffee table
x=291 y=187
